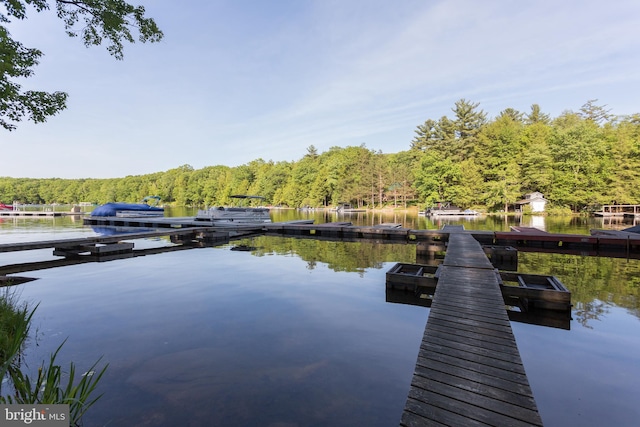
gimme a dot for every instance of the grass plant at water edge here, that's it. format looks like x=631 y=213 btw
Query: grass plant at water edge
x=15 y=321
x=47 y=388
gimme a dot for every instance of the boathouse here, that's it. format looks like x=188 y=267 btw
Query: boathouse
x=535 y=200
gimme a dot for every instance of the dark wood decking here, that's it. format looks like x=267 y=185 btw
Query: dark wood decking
x=626 y=245
x=469 y=370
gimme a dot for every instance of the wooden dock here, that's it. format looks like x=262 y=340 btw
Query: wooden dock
x=469 y=370
x=106 y=248
x=105 y=240
x=530 y=239
x=619 y=211
x=33 y=214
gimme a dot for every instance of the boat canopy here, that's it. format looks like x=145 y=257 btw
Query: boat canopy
x=153 y=199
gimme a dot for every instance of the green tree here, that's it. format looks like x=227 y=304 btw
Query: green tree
x=312 y=151
x=269 y=177
x=428 y=136
x=94 y=21
x=537 y=116
x=537 y=161
x=504 y=189
x=595 y=113
x=623 y=140
x=514 y=115
x=537 y=168
x=467 y=124
x=304 y=185
x=468 y=191
x=436 y=177
x=582 y=162
x=499 y=150
x=401 y=166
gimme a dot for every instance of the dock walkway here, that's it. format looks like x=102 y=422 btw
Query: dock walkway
x=469 y=370
x=92 y=240
x=521 y=238
x=32 y=214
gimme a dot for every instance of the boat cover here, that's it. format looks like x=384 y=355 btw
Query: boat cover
x=635 y=229
x=110 y=209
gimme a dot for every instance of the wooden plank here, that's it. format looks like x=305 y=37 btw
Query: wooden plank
x=454 y=351
x=469 y=370
x=532 y=230
x=425 y=357
x=476 y=407
x=478 y=377
x=470 y=335
x=472 y=326
x=463 y=304
x=478 y=386
x=445 y=336
x=499 y=323
x=471 y=314
x=419 y=415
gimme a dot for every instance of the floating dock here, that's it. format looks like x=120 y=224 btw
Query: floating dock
x=631 y=211
x=469 y=370
x=599 y=243
x=33 y=214
x=106 y=248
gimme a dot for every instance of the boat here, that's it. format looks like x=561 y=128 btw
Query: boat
x=222 y=215
x=4 y=207
x=347 y=208
x=447 y=209
x=147 y=207
x=634 y=229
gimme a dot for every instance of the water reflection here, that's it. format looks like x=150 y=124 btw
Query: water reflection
x=213 y=337
x=589 y=279
x=596 y=283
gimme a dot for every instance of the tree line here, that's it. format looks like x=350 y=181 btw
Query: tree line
x=577 y=160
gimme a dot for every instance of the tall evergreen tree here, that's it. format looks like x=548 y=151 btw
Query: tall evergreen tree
x=537 y=116
x=426 y=136
x=468 y=122
x=513 y=114
x=595 y=113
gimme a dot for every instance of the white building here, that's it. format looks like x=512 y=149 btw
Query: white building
x=535 y=200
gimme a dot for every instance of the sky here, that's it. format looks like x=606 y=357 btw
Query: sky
x=239 y=80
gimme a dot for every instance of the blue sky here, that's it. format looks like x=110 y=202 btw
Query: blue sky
x=238 y=80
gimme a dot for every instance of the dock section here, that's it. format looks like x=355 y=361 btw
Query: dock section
x=33 y=214
x=469 y=370
x=521 y=238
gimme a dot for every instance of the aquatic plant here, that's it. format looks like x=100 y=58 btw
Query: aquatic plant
x=47 y=387
x=15 y=320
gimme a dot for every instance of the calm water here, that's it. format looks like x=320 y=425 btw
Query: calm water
x=297 y=332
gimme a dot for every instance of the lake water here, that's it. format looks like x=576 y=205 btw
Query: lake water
x=296 y=332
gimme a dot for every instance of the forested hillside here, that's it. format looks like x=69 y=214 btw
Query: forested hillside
x=577 y=160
